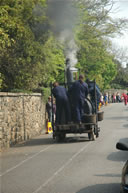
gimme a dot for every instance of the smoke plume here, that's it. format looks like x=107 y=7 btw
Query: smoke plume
x=63 y=16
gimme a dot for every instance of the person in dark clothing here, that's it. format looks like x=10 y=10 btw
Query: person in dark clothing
x=62 y=104
x=91 y=87
x=78 y=93
x=49 y=109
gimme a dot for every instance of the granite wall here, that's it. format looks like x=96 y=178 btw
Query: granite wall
x=22 y=116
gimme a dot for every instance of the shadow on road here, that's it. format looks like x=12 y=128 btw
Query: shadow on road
x=118 y=156
x=48 y=140
x=75 y=139
x=35 y=142
x=101 y=188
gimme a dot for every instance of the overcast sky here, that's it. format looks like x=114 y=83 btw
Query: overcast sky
x=120 y=9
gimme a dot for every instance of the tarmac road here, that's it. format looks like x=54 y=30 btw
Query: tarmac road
x=76 y=166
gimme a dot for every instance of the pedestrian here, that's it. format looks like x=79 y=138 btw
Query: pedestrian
x=122 y=98
x=106 y=98
x=49 y=109
x=54 y=110
x=63 y=114
x=109 y=98
x=125 y=98
x=102 y=99
x=114 y=98
x=78 y=92
x=117 y=97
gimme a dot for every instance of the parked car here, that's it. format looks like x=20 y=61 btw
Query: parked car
x=124 y=181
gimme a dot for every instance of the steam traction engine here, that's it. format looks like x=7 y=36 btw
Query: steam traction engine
x=90 y=117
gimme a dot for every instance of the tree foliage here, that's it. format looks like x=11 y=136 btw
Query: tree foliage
x=30 y=55
x=92 y=37
x=121 y=79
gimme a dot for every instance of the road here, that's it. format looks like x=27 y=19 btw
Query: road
x=77 y=166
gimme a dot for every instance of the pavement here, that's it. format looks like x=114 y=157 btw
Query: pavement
x=77 y=165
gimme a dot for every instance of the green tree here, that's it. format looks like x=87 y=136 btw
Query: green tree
x=92 y=37
x=30 y=55
x=121 y=79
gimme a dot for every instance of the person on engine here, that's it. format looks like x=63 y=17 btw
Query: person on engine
x=62 y=103
x=91 y=87
x=78 y=92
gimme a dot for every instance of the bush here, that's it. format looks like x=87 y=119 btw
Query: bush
x=117 y=86
x=45 y=91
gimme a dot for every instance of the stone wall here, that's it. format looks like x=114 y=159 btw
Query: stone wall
x=22 y=116
x=111 y=91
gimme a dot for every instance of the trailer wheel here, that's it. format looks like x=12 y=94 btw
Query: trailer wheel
x=97 y=129
x=91 y=136
x=97 y=134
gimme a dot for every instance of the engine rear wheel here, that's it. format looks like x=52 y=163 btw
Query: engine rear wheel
x=60 y=137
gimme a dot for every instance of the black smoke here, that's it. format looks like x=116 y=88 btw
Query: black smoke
x=63 y=17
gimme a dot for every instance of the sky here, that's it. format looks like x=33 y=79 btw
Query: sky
x=120 y=10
